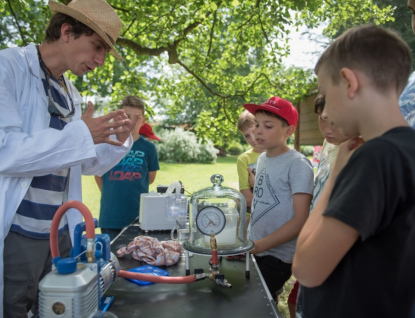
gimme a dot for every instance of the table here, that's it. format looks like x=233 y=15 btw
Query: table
x=248 y=297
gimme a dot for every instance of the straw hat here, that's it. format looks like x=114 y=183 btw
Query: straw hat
x=96 y=14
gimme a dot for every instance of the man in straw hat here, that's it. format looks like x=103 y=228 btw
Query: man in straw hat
x=46 y=143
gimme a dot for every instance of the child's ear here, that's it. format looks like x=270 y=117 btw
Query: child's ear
x=350 y=79
x=290 y=131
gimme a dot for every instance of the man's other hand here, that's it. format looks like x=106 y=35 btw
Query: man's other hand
x=114 y=123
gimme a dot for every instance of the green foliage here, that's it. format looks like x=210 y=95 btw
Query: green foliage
x=290 y=141
x=182 y=146
x=235 y=148
x=400 y=21
x=200 y=61
x=307 y=150
x=246 y=147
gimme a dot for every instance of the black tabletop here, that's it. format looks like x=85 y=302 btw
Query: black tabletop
x=248 y=296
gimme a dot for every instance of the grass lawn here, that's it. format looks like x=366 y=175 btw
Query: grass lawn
x=194 y=177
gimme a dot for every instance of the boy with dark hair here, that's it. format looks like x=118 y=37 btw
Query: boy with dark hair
x=354 y=255
x=246 y=162
x=122 y=185
x=332 y=139
x=282 y=192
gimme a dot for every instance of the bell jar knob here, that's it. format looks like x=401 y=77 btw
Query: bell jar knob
x=216 y=179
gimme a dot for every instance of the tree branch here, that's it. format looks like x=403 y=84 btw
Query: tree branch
x=161 y=32
x=17 y=23
x=253 y=83
x=141 y=50
x=270 y=83
x=226 y=112
x=201 y=81
x=119 y=9
x=246 y=22
x=265 y=33
x=129 y=26
x=212 y=30
x=148 y=26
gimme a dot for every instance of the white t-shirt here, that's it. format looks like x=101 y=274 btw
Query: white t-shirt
x=276 y=181
x=327 y=156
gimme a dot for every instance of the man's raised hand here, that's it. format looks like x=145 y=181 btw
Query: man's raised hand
x=101 y=128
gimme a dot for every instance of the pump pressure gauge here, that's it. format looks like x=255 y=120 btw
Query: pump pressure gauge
x=210 y=220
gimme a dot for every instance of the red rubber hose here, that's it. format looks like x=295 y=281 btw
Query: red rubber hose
x=89 y=222
x=215 y=259
x=157 y=279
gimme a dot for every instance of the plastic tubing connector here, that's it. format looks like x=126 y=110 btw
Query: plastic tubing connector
x=175 y=185
x=89 y=222
x=158 y=279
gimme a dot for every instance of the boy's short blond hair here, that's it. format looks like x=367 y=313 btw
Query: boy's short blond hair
x=376 y=51
x=245 y=120
x=133 y=101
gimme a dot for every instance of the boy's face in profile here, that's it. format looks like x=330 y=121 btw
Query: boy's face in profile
x=336 y=108
x=330 y=133
x=131 y=112
x=270 y=133
x=249 y=136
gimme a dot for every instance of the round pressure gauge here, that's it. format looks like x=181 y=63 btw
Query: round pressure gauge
x=210 y=220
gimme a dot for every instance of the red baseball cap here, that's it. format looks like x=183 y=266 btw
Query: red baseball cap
x=147 y=131
x=277 y=106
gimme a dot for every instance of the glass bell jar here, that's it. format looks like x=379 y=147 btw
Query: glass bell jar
x=220 y=211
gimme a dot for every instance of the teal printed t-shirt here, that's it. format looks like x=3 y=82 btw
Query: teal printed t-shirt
x=124 y=183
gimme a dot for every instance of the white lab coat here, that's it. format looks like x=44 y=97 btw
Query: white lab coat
x=29 y=148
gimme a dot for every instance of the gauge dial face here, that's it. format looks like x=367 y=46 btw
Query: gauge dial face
x=210 y=220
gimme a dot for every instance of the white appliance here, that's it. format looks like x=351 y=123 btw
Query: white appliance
x=158 y=211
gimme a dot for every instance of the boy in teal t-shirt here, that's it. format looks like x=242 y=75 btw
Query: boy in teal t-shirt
x=121 y=186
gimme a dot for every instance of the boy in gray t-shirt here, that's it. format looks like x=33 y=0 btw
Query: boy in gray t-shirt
x=282 y=193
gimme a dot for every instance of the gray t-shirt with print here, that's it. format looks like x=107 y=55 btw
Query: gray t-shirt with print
x=277 y=179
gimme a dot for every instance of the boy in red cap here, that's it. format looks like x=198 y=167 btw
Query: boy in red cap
x=282 y=192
